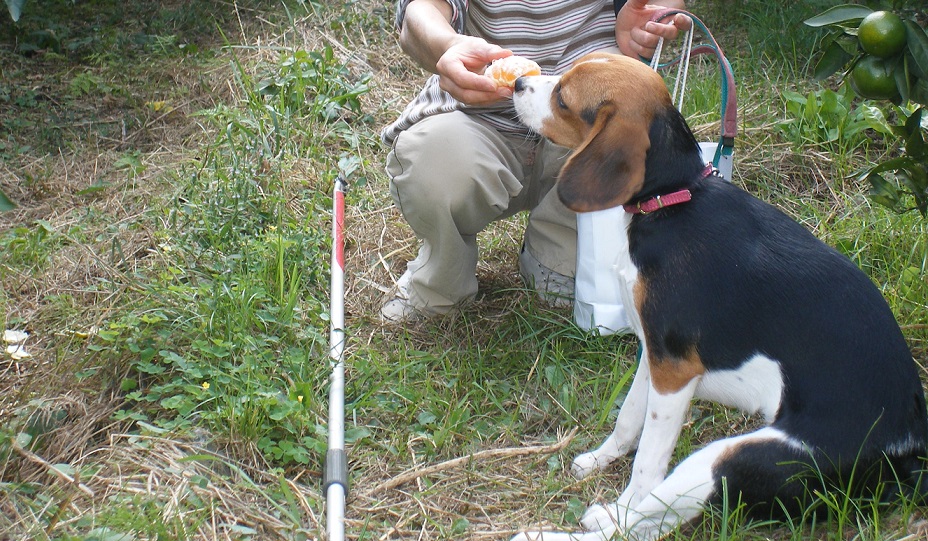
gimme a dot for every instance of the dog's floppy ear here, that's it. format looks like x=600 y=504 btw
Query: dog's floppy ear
x=607 y=169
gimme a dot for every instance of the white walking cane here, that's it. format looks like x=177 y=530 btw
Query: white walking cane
x=335 y=476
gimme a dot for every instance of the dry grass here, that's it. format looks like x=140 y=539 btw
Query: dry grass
x=92 y=273
x=482 y=490
x=63 y=304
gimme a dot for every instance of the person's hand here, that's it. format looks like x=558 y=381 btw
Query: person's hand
x=637 y=35
x=461 y=68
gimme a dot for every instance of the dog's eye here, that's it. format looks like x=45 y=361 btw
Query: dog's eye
x=560 y=99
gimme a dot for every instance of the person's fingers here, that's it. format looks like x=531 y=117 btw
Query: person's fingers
x=496 y=52
x=461 y=71
x=683 y=22
x=463 y=79
x=482 y=92
x=668 y=28
x=477 y=54
x=661 y=30
x=643 y=42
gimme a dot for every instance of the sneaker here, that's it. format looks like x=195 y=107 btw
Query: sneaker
x=399 y=309
x=553 y=288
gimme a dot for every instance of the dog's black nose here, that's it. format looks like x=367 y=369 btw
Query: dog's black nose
x=520 y=84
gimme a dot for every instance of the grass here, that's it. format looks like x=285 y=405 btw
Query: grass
x=169 y=258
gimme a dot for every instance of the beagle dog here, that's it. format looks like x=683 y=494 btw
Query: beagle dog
x=733 y=302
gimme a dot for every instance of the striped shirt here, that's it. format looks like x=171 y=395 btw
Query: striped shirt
x=553 y=33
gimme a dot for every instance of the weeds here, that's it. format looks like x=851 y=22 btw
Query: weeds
x=824 y=118
x=198 y=326
x=249 y=364
x=314 y=84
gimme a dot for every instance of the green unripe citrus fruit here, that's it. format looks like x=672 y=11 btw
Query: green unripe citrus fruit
x=873 y=78
x=882 y=34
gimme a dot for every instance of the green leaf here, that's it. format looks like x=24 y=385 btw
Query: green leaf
x=913 y=123
x=794 y=97
x=46 y=226
x=357 y=433
x=915 y=146
x=833 y=59
x=94 y=188
x=147 y=354
x=916 y=180
x=883 y=192
x=811 y=108
x=106 y=534
x=575 y=510
x=5 y=203
x=839 y=14
x=901 y=75
x=460 y=526
x=150 y=368
x=348 y=164
x=66 y=469
x=910 y=183
x=174 y=358
x=876 y=120
x=242 y=530
x=23 y=439
x=908 y=280
x=895 y=164
x=849 y=43
x=920 y=91
x=199 y=480
x=917 y=47
x=16 y=8
x=830 y=104
x=426 y=418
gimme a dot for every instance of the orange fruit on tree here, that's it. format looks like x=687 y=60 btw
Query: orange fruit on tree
x=872 y=77
x=882 y=34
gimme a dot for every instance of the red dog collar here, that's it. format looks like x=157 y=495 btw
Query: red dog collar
x=661 y=201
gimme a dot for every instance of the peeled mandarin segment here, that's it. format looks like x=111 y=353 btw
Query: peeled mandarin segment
x=505 y=71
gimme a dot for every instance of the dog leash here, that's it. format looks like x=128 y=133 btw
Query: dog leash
x=683 y=66
x=729 y=106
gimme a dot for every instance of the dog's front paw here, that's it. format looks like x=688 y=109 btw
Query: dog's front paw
x=600 y=517
x=587 y=463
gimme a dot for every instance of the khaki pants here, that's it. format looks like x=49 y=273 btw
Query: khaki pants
x=451 y=176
